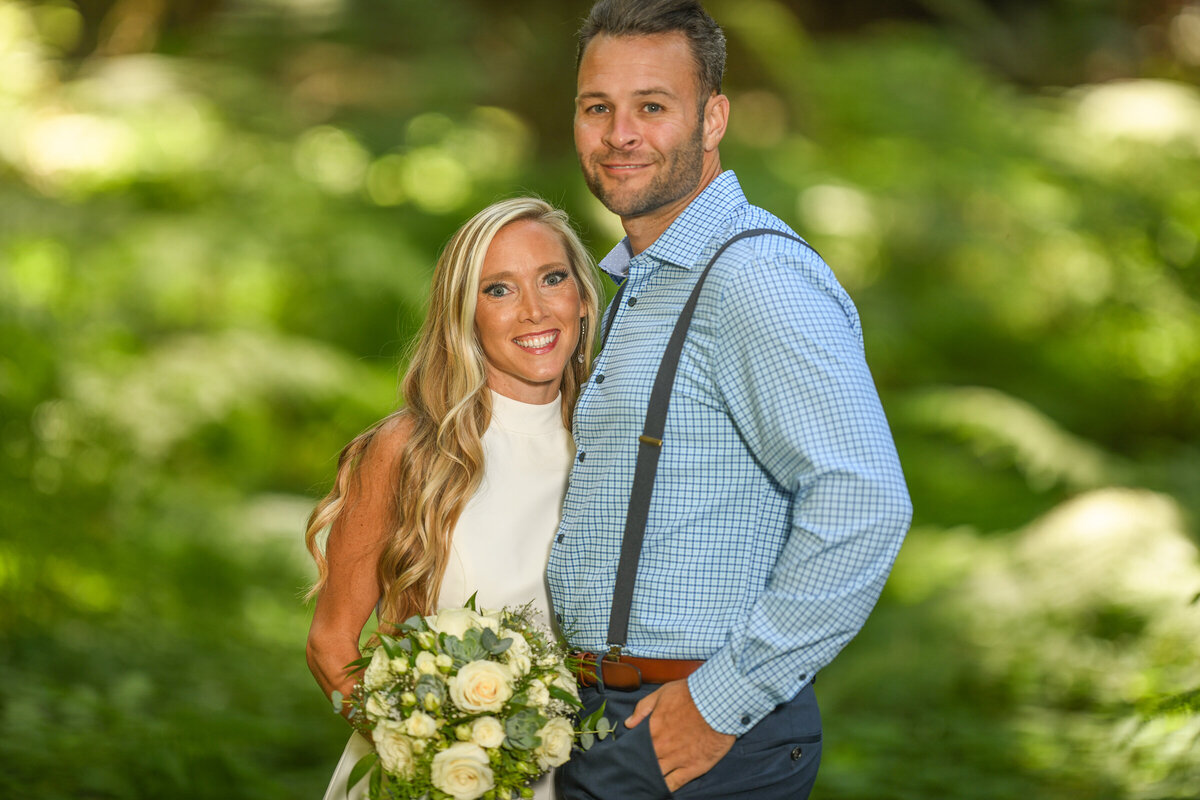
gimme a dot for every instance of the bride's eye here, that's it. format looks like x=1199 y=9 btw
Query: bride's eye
x=555 y=278
x=495 y=290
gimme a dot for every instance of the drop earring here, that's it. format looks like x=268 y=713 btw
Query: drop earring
x=582 y=339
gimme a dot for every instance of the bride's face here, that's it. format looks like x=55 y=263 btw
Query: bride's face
x=527 y=312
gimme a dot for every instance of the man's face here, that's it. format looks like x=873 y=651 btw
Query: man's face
x=638 y=130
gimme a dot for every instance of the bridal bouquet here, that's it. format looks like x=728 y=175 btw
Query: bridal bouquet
x=463 y=705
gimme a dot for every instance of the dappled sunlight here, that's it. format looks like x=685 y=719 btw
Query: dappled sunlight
x=1156 y=112
x=77 y=149
x=846 y=219
x=1094 y=609
x=128 y=118
x=23 y=58
x=217 y=229
x=331 y=158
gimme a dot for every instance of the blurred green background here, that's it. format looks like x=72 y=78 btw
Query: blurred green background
x=217 y=223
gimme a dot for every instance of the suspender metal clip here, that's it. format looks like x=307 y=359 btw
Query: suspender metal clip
x=644 y=439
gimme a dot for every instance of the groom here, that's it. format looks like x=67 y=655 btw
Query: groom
x=770 y=504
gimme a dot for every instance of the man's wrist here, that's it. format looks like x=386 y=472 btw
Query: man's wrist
x=727 y=701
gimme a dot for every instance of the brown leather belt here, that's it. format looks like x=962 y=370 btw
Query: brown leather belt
x=630 y=672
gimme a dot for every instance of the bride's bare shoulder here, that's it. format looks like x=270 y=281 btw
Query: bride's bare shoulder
x=386 y=447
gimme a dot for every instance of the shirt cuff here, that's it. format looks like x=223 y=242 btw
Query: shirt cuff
x=728 y=701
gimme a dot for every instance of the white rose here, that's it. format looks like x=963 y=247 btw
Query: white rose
x=487 y=732
x=462 y=771
x=481 y=686
x=454 y=621
x=378 y=671
x=421 y=725
x=394 y=748
x=538 y=694
x=426 y=663
x=557 y=737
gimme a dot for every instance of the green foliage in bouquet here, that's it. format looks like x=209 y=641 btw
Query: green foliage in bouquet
x=466 y=704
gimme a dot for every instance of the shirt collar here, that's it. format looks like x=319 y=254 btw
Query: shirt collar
x=686 y=237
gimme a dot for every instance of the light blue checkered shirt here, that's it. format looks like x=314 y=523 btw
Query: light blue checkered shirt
x=779 y=505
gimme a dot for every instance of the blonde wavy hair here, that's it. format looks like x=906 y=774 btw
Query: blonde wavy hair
x=448 y=407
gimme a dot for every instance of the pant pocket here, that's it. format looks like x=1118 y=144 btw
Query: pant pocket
x=624 y=765
x=777 y=758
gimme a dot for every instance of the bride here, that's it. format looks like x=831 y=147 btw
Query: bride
x=461 y=490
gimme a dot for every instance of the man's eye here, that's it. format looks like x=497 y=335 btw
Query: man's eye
x=598 y=108
x=653 y=108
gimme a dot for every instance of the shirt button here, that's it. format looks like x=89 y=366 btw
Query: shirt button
x=582 y=456
x=633 y=301
x=600 y=378
x=745 y=719
x=560 y=537
x=797 y=752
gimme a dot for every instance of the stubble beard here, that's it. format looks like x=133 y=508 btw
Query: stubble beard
x=679 y=177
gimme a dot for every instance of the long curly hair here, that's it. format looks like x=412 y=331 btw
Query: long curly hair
x=447 y=406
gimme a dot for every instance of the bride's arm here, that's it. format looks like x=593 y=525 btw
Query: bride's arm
x=356 y=540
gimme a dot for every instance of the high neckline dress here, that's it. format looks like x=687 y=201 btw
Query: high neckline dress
x=502 y=539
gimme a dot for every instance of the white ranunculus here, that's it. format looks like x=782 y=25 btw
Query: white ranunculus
x=519 y=665
x=377 y=708
x=426 y=663
x=394 y=748
x=400 y=665
x=557 y=736
x=454 y=621
x=519 y=646
x=487 y=732
x=491 y=618
x=378 y=671
x=421 y=725
x=481 y=686
x=444 y=662
x=462 y=771
x=538 y=694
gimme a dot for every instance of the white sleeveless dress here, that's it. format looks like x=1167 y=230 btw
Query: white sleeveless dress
x=502 y=540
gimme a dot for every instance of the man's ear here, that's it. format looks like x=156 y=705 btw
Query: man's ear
x=716 y=118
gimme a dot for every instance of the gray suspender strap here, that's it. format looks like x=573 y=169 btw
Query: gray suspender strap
x=650 y=446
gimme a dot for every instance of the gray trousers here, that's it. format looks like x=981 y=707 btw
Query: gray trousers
x=777 y=758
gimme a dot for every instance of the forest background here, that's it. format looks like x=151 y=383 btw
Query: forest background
x=218 y=220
